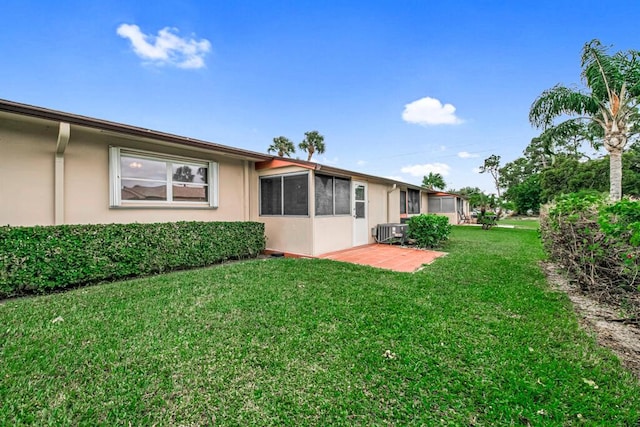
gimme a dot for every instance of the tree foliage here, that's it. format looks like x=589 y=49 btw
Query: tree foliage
x=491 y=165
x=434 y=181
x=283 y=146
x=312 y=143
x=526 y=196
x=609 y=101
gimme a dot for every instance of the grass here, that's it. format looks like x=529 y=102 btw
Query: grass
x=528 y=223
x=477 y=338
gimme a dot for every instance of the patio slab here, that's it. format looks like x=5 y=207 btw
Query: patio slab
x=388 y=257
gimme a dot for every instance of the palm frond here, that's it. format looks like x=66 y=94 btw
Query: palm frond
x=558 y=101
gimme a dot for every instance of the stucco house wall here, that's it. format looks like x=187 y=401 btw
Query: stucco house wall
x=61 y=168
x=27 y=155
x=29 y=175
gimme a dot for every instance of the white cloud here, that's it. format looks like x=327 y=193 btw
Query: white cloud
x=430 y=111
x=422 y=170
x=361 y=162
x=476 y=170
x=166 y=47
x=327 y=161
x=395 y=178
x=467 y=155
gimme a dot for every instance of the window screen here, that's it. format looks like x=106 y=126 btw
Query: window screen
x=284 y=195
x=403 y=202
x=332 y=195
x=342 y=196
x=324 y=195
x=271 y=195
x=434 y=205
x=296 y=195
x=448 y=204
x=414 y=201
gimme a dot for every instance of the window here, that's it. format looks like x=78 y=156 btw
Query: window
x=139 y=178
x=442 y=204
x=413 y=205
x=332 y=195
x=284 y=195
x=403 y=202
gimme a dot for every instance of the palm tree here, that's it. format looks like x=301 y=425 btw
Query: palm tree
x=283 y=146
x=313 y=142
x=610 y=100
x=433 y=180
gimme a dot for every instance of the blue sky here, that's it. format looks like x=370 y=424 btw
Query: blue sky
x=398 y=88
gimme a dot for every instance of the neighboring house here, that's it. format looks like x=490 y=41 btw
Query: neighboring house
x=448 y=204
x=61 y=168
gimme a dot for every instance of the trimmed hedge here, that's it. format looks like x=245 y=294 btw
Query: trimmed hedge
x=41 y=259
x=429 y=230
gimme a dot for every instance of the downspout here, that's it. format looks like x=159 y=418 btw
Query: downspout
x=246 y=211
x=64 y=133
x=389 y=204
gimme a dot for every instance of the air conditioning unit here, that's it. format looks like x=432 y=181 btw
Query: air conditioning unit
x=391 y=233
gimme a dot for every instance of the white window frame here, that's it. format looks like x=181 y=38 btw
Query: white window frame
x=115 y=174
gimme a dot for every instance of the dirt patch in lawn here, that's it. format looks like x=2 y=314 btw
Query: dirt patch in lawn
x=622 y=337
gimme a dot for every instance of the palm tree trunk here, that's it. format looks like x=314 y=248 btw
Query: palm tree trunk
x=615 y=175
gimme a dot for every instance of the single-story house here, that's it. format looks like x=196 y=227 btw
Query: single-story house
x=61 y=168
x=454 y=206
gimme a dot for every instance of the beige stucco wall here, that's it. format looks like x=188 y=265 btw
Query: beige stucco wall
x=28 y=196
x=27 y=158
x=378 y=202
x=393 y=206
x=289 y=234
x=424 y=202
x=332 y=233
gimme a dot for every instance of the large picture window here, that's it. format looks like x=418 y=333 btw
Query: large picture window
x=140 y=178
x=332 y=195
x=284 y=195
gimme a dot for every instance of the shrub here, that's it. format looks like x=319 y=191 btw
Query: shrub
x=596 y=241
x=429 y=230
x=41 y=259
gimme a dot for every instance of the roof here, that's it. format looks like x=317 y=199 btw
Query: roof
x=90 y=122
x=278 y=162
x=443 y=193
x=264 y=161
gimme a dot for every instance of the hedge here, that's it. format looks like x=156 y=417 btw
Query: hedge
x=45 y=258
x=598 y=243
x=429 y=230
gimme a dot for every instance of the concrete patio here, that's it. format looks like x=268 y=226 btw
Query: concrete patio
x=388 y=257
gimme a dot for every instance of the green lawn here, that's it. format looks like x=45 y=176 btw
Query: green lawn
x=475 y=339
x=521 y=222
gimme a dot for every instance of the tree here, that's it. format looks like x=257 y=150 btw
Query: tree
x=183 y=174
x=313 y=142
x=433 y=180
x=492 y=166
x=475 y=196
x=526 y=195
x=283 y=146
x=610 y=99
